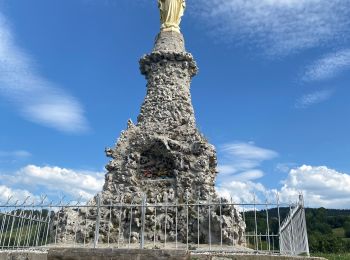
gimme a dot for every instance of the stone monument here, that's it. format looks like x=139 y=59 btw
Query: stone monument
x=163 y=157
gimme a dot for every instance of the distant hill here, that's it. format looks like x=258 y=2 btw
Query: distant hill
x=329 y=230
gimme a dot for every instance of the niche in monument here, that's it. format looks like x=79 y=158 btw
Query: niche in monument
x=156 y=163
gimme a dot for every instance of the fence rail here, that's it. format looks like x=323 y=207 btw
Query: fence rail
x=32 y=225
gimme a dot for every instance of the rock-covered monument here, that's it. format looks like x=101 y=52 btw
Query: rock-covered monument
x=163 y=157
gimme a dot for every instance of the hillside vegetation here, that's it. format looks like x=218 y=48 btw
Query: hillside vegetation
x=328 y=229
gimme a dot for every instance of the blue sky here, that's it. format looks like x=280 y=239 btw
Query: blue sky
x=272 y=94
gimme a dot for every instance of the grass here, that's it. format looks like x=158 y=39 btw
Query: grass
x=344 y=256
x=339 y=232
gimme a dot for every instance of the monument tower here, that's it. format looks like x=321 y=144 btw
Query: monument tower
x=164 y=151
x=164 y=157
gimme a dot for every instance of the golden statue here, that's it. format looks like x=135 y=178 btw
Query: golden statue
x=171 y=12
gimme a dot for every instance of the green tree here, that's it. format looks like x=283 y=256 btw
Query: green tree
x=347 y=229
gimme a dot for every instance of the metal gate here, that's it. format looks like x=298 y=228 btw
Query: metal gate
x=293 y=232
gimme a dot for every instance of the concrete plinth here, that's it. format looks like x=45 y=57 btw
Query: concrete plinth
x=132 y=254
x=250 y=257
x=115 y=254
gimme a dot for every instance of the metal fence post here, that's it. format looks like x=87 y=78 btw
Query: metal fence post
x=165 y=218
x=256 y=226
x=209 y=224
x=268 y=226
x=12 y=225
x=301 y=202
x=221 y=223
x=143 y=212
x=291 y=233
x=198 y=219
x=155 y=227
x=176 y=205
x=279 y=221
x=109 y=221
x=48 y=224
x=97 y=228
x=233 y=221
x=187 y=219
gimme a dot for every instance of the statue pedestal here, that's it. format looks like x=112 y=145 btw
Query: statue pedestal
x=169 y=41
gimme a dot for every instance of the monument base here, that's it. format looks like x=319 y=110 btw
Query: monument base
x=133 y=254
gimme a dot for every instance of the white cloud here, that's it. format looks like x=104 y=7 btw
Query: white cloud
x=55 y=180
x=248 y=175
x=279 y=27
x=248 y=151
x=238 y=171
x=321 y=186
x=329 y=66
x=313 y=98
x=284 y=167
x=242 y=191
x=240 y=160
x=37 y=99
x=15 y=154
x=14 y=195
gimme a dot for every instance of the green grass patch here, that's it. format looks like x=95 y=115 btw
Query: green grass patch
x=339 y=232
x=345 y=256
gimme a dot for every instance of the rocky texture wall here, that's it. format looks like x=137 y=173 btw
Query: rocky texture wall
x=163 y=156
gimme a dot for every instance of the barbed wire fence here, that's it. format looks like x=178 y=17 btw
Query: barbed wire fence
x=29 y=224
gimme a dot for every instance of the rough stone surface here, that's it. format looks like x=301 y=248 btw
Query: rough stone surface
x=23 y=255
x=116 y=254
x=163 y=156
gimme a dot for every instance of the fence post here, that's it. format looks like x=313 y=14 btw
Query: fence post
x=187 y=219
x=256 y=226
x=279 y=222
x=109 y=221
x=143 y=211
x=97 y=228
x=48 y=224
x=209 y=220
x=268 y=226
x=155 y=226
x=165 y=218
x=176 y=205
x=4 y=217
x=198 y=220
x=221 y=223
x=291 y=238
x=301 y=202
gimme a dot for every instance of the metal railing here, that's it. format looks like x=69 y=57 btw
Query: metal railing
x=293 y=234
x=33 y=225
x=24 y=225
